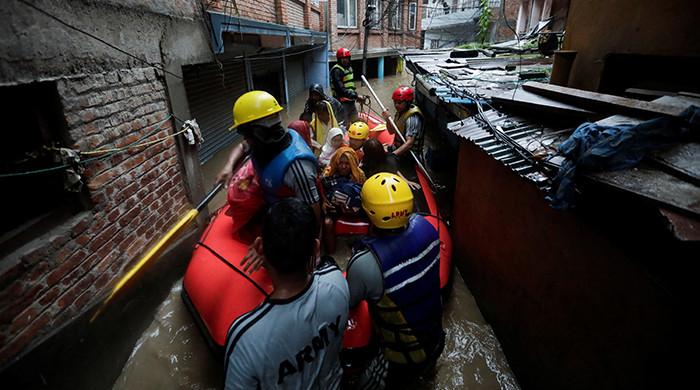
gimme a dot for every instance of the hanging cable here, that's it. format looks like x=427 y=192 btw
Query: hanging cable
x=153 y=64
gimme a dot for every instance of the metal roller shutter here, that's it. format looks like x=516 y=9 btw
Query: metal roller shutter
x=267 y=75
x=211 y=98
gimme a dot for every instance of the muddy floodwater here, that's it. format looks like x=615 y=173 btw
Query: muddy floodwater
x=172 y=353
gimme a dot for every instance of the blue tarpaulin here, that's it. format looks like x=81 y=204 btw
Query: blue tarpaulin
x=595 y=148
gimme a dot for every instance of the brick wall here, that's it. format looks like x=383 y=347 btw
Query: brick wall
x=261 y=10
x=135 y=195
x=295 y=13
x=385 y=38
x=501 y=30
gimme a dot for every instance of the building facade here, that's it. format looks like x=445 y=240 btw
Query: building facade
x=98 y=92
x=394 y=25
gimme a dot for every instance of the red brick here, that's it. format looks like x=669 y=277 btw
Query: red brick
x=63 y=269
x=68 y=297
x=22 y=319
x=82 y=301
x=36 y=254
x=129 y=216
x=100 y=180
x=19 y=303
x=80 y=227
x=113 y=215
x=97 y=226
x=21 y=341
x=103 y=280
x=83 y=240
x=49 y=296
x=37 y=272
x=65 y=252
x=98 y=197
x=103 y=238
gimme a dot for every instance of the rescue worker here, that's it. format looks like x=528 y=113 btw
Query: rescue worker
x=409 y=121
x=284 y=163
x=398 y=273
x=294 y=338
x=358 y=134
x=316 y=94
x=343 y=85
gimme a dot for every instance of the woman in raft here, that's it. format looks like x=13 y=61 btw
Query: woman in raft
x=342 y=182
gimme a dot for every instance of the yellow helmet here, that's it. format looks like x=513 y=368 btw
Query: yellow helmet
x=358 y=130
x=387 y=200
x=252 y=106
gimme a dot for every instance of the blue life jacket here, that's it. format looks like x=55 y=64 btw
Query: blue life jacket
x=409 y=314
x=271 y=176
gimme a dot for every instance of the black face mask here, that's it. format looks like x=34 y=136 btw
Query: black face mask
x=267 y=142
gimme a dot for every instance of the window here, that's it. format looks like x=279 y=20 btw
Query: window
x=396 y=17
x=36 y=200
x=412 y=8
x=347 y=13
x=375 y=13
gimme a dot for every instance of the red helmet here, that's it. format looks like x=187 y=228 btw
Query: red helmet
x=403 y=94
x=342 y=53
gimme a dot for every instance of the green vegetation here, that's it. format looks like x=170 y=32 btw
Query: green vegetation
x=472 y=45
x=484 y=20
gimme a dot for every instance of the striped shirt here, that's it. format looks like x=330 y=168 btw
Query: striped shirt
x=301 y=178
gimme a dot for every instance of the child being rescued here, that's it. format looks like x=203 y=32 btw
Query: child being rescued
x=334 y=140
x=342 y=182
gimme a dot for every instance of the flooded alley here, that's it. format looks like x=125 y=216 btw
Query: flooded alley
x=172 y=353
x=558 y=213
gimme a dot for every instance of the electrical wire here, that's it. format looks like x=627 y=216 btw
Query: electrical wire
x=153 y=64
x=105 y=153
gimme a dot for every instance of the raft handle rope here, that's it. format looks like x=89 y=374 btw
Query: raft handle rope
x=233 y=267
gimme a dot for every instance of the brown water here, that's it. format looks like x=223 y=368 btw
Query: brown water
x=172 y=353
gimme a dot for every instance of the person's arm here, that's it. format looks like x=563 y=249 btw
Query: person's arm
x=365 y=280
x=237 y=153
x=405 y=147
x=307 y=114
x=414 y=130
x=301 y=178
x=239 y=374
x=389 y=124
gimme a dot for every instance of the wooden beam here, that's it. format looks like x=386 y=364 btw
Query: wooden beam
x=602 y=102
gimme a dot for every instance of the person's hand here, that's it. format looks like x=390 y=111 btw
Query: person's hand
x=386 y=115
x=253 y=260
x=224 y=176
x=413 y=185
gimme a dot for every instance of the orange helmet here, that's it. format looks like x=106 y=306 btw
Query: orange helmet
x=342 y=53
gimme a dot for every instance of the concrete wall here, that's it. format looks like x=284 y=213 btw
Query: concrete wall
x=109 y=100
x=596 y=28
x=588 y=299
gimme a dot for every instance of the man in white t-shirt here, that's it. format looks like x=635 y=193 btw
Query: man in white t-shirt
x=293 y=339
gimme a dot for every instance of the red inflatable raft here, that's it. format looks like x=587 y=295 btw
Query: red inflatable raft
x=217 y=291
